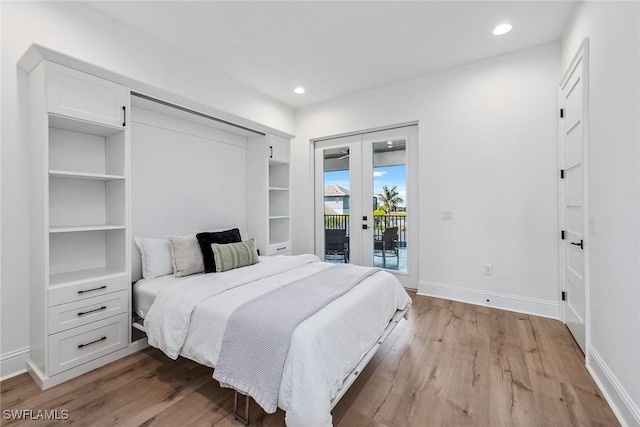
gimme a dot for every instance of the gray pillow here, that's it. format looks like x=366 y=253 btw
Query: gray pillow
x=234 y=255
x=186 y=255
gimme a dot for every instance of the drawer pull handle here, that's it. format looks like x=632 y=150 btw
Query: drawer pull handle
x=92 y=342
x=82 y=313
x=94 y=289
x=282 y=248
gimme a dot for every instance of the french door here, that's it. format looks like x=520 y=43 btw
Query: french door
x=366 y=201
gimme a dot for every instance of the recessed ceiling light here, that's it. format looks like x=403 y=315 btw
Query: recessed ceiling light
x=389 y=142
x=299 y=90
x=501 y=29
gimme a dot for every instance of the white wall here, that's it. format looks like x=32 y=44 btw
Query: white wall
x=80 y=32
x=488 y=152
x=614 y=195
x=214 y=162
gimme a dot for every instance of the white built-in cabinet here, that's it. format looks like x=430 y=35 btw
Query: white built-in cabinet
x=80 y=233
x=72 y=93
x=80 y=264
x=268 y=194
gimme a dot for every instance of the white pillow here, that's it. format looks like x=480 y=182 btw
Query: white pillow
x=156 y=257
x=186 y=256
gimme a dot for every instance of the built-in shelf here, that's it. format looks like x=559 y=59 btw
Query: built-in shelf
x=83 y=175
x=83 y=275
x=82 y=126
x=269 y=200
x=79 y=211
x=90 y=227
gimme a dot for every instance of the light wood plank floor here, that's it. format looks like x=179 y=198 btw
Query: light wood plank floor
x=451 y=364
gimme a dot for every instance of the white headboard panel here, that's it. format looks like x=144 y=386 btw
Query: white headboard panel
x=184 y=177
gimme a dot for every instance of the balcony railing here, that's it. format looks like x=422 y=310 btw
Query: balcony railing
x=380 y=223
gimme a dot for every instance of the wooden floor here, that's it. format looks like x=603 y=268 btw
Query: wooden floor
x=451 y=364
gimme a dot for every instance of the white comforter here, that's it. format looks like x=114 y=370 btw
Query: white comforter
x=189 y=318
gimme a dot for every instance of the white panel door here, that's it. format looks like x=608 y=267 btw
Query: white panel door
x=573 y=151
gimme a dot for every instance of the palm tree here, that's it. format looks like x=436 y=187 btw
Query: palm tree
x=389 y=199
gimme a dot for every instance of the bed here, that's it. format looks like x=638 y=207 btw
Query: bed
x=188 y=316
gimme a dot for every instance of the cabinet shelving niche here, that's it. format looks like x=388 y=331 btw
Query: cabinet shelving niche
x=87 y=206
x=279 y=196
x=278 y=230
x=278 y=203
x=85 y=202
x=278 y=175
x=87 y=150
x=268 y=193
x=75 y=256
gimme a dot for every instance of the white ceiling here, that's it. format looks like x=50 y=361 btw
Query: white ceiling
x=339 y=48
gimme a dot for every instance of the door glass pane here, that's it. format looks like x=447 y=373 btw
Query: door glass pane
x=389 y=205
x=337 y=192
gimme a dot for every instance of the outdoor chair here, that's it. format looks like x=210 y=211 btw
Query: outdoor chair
x=336 y=243
x=387 y=244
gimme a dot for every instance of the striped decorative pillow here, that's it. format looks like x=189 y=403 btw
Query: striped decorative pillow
x=234 y=255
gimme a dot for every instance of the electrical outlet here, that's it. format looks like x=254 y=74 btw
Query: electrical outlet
x=488 y=269
x=447 y=215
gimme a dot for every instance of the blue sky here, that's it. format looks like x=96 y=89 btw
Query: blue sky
x=386 y=175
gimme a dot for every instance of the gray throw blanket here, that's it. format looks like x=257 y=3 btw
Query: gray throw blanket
x=258 y=333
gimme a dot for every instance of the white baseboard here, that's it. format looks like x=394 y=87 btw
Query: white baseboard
x=17 y=362
x=48 y=382
x=619 y=400
x=518 y=304
x=13 y=363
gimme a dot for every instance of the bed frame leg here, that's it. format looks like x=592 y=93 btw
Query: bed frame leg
x=243 y=419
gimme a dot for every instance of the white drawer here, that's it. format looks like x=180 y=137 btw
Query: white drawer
x=279 y=248
x=79 y=345
x=72 y=315
x=62 y=294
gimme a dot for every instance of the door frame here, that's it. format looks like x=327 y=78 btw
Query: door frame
x=582 y=54
x=410 y=279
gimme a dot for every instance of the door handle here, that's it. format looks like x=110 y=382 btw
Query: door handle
x=94 y=289
x=82 y=313
x=92 y=342
x=578 y=244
